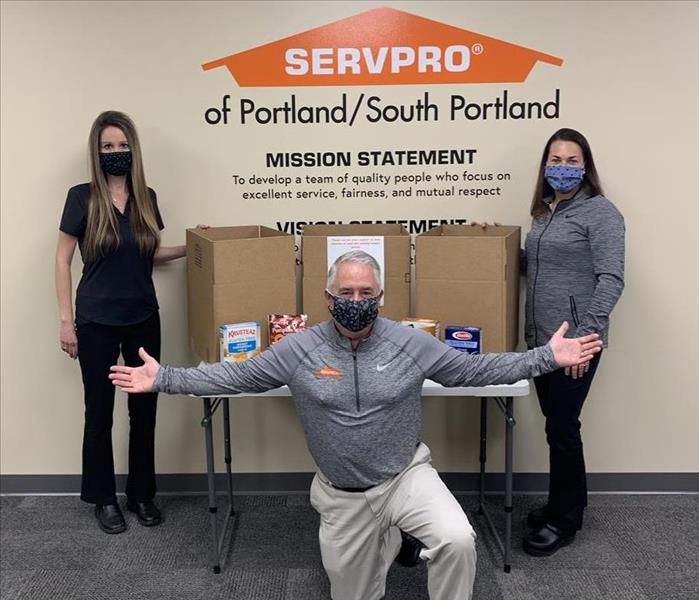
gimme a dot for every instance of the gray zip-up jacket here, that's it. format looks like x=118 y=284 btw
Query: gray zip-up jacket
x=360 y=409
x=574 y=261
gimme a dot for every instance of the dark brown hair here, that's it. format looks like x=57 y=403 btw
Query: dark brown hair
x=590 y=179
x=102 y=230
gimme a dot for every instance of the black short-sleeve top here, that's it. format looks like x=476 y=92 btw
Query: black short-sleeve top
x=117 y=287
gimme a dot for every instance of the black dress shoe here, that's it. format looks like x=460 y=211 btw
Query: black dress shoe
x=538 y=517
x=109 y=518
x=547 y=540
x=147 y=513
x=409 y=555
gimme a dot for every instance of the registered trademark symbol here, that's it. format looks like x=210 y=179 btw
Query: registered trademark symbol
x=477 y=49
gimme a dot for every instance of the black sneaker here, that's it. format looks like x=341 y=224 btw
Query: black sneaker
x=147 y=513
x=547 y=540
x=409 y=555
x=109 y=518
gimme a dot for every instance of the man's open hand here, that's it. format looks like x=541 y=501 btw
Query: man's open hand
x=136 y=380
x=570 y=352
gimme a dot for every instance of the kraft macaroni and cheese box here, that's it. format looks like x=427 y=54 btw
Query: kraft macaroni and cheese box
x=239 y=341
x=427 y=325
x=465 y=339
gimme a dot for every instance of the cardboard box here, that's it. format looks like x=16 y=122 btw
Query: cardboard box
x=314 y=256
x=469 y=276
x=234 y=275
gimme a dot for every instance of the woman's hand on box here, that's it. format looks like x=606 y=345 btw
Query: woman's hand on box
x=484 y=225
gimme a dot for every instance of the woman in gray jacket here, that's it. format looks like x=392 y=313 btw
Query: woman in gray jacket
x=574 y=261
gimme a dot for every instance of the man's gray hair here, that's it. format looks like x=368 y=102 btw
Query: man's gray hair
x=355 y=256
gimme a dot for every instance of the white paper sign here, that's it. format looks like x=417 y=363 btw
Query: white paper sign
x=371 y=244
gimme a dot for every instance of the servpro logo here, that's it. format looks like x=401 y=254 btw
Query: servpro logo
x=383 y=46
x=331 y=61
x=328 y=373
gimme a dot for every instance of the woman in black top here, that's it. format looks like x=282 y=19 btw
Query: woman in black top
x=116 y=223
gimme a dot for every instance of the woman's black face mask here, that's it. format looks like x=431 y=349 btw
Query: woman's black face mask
x=115 y=163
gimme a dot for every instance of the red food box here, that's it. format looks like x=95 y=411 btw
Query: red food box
x=283 y=325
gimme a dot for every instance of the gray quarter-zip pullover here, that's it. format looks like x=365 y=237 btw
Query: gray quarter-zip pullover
x=574 y=260
x=360 y=409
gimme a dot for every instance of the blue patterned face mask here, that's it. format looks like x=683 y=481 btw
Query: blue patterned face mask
x=563 y=179
x=354 y=315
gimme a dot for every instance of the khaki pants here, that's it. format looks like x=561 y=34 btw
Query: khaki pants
x=359 y=533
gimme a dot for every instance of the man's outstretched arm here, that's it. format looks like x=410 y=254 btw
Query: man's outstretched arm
x=271 y=369
x=453 y=368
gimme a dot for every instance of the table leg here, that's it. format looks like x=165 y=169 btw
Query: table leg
x=211 y=482
x=509 y=434
x=482 y=456
x=228 y=457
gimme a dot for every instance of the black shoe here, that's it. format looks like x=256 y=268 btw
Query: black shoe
x=109 y=518
x=147 y=513
x=547 y=540
x=537 y=518
x=409 y=555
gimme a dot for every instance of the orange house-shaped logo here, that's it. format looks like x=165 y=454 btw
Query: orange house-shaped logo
x=382 y=46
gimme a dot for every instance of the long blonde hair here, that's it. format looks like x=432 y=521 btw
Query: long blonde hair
x=102 y=231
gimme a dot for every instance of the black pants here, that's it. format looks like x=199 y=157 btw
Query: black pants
x=98 y=349
x=561 y=399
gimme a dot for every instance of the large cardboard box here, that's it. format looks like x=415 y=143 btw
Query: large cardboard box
x=236 y=274
x=469 y=276
x=314 y=256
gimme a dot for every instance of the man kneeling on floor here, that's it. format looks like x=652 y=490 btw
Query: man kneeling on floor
x=356 y=381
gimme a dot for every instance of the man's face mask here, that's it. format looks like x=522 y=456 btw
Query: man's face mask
x=355 y=315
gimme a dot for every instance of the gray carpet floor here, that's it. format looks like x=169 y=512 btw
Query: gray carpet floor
x=635 y=547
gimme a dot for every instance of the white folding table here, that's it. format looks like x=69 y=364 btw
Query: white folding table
x=502 y=394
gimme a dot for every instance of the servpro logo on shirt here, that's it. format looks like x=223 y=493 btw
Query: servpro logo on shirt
x=328 y=373
x=382 y=46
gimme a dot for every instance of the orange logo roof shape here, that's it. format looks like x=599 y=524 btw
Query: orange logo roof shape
x=382 y=46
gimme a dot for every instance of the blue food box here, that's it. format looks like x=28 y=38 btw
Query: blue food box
x=463 y=338
x=239 y=341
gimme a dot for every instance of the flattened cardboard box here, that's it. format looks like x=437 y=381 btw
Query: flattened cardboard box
x=314 y=256
x=469 y=276
x=234 y=275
